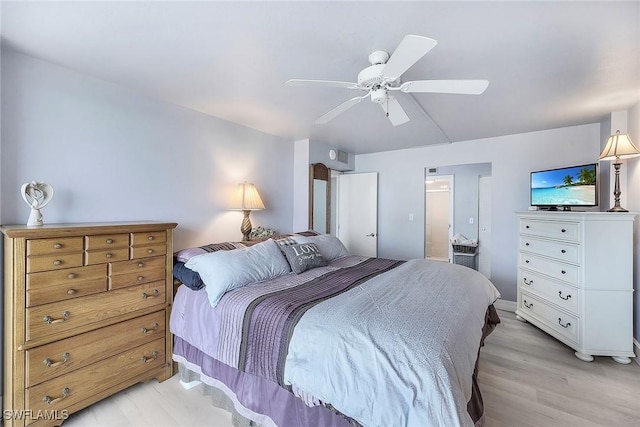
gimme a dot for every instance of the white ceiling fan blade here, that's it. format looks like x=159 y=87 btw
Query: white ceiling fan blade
x=408 y=52
x=462 y=87
x=338 y=110
x=394 y=111
x=321 y=83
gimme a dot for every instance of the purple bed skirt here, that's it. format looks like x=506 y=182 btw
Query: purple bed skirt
x=258 y=395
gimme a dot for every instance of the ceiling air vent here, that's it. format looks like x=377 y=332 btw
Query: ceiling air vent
x=432 y=170
x=343 y=156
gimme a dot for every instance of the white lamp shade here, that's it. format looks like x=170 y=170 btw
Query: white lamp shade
x=619 y=146
x=247 y=198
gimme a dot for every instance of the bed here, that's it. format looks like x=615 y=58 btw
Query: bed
x=295 y=331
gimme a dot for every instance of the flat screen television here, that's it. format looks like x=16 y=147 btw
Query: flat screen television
x=564 y=188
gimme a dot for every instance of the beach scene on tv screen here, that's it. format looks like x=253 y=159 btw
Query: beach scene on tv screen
x=569 y=186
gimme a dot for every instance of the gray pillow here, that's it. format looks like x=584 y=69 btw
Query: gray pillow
x=330 y=246
x=223 y=271
x=303 y=256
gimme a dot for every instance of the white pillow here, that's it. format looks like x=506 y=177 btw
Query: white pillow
x=223 y=271
x=330 y=246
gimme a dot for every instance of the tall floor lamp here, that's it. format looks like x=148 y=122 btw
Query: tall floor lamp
x=619 y=146
x=246 y=200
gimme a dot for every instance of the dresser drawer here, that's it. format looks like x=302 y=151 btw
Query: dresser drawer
x=563 y=251
x=564 y=230
x=557 y=269
x=53 y=262
x=49 y=361
x=106 y=255
x=61 y=292
x=54 y=246
x=106 y=241
x=136 y=265
x=563 y=323
x=138 y=252
x=146 y=238
x=129 y=279
x=62 y=392
x=550 y=290
x=67 y=276
x=62 y=317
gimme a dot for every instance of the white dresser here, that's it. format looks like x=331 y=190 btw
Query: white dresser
x=575 y=279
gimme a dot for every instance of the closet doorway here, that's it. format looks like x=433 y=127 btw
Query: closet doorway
x=438 y=217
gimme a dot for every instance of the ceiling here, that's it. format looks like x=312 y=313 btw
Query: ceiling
x=550 y=64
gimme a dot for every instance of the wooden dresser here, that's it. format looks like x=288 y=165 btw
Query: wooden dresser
x=86 y=314
x=575 y=280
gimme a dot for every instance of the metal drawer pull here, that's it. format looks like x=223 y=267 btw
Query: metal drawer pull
x=153 y=328
x=153 y=357
x=527 y=305
x=563 y=251
x=50 y=364
x=57 y=246
x=526 y=244
x=150 y=238
x=527 y=282
x=109 y=255
x=563 y=272
x=71 y=292
x=50 y=320
x=57 y=262
x=140 y=278
x=565 y=325
x=149 y=251
x=560 y=295
x=146 y=295
x=109 y=241
x=50 y=401
x=71 y=276
x=526 y=226
x=527 y=261
x=141 y=264
x=563 y=230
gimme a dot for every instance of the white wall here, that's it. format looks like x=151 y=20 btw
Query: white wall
x=114 y=155
x=401 y=187
x=633 y=204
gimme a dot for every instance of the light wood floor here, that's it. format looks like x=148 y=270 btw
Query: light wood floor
x=526 y=377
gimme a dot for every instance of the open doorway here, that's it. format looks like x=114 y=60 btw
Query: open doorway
x=438 y=217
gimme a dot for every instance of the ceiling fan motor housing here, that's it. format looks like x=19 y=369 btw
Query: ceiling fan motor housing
x=370 y=76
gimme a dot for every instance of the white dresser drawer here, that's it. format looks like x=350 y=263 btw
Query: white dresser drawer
x=566 y=272
x=564 y=230
x=550 y=290
x=565 y=324
x=563 y=251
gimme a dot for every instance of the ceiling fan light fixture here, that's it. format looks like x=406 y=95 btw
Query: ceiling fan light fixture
x=379 y=95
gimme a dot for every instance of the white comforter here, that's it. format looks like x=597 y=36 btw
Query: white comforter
x=399 y=350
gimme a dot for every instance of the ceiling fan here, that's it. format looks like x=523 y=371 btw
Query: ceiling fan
x=383 y=77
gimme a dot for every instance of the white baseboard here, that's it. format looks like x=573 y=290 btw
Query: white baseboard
x=505 y=305
x=636 y=350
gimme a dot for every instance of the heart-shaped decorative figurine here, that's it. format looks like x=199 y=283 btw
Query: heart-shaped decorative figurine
x=36 y=195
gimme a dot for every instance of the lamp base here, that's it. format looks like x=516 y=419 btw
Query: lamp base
x=616 y=191
x=617 y=209
x=245 y=228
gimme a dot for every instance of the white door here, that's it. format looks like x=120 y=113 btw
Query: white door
x=438 y=217
x=357 y=213
x=484 y=225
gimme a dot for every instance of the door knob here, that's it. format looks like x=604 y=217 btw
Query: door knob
x=371 y=235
